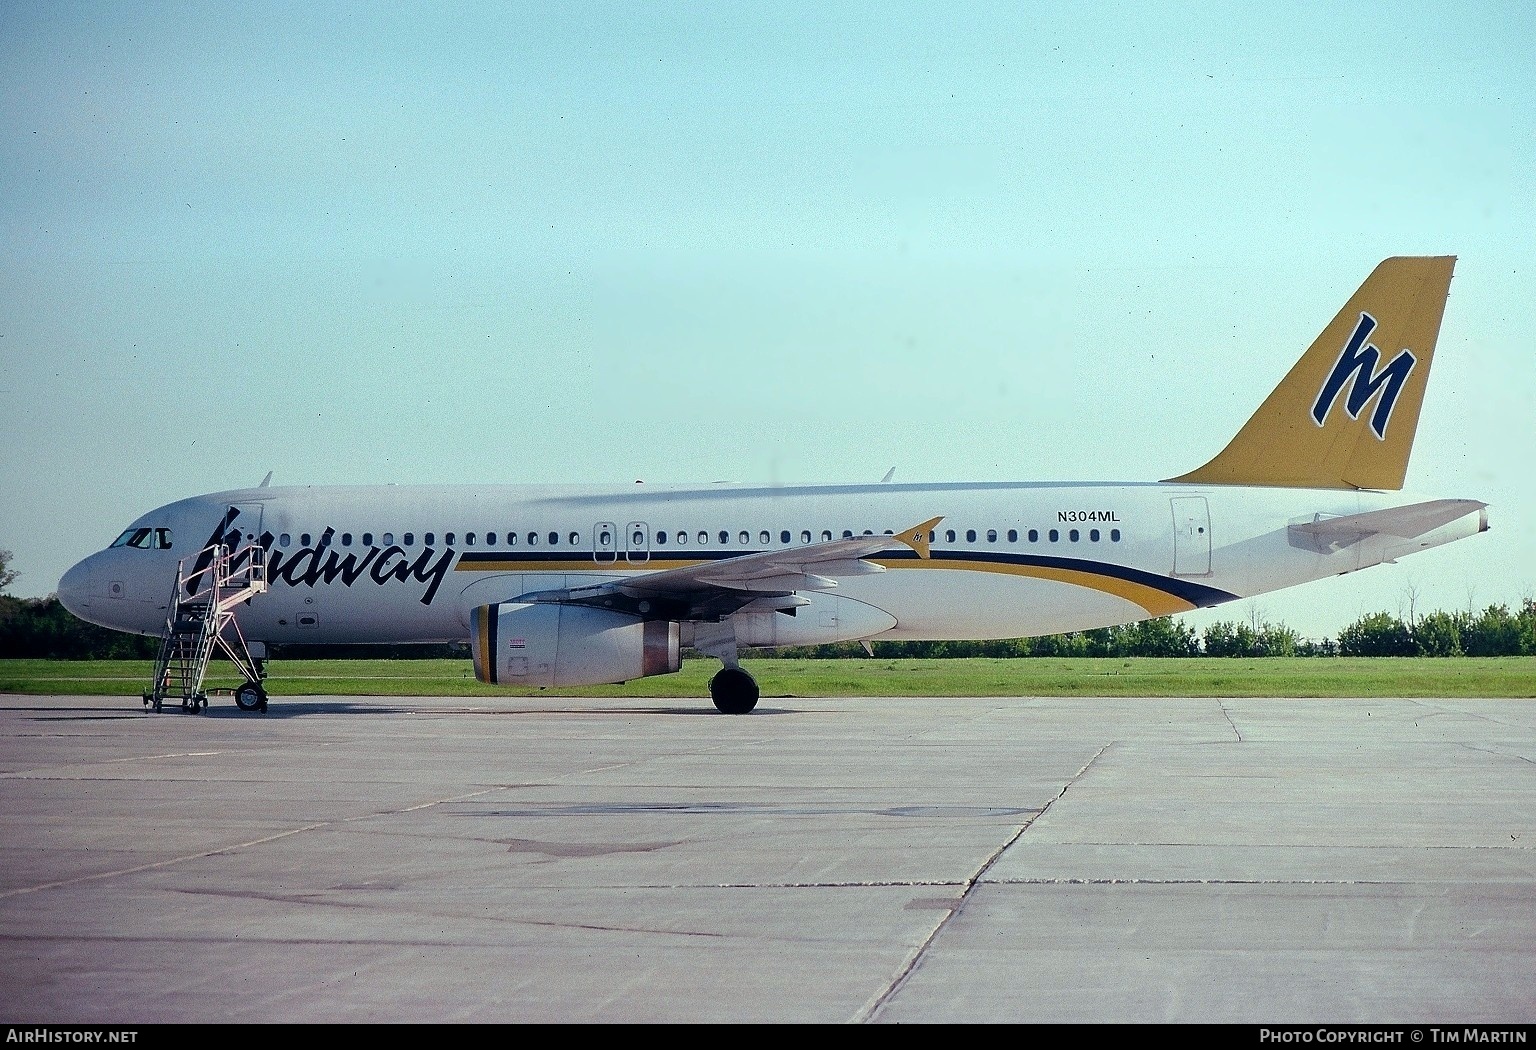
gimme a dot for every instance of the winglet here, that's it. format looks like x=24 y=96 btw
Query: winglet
x=1345 y=415
x=917 y=536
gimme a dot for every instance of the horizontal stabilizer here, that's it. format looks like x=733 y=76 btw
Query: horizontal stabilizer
x=1331 y=534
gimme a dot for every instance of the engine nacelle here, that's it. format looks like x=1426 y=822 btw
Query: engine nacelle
x=517 y=643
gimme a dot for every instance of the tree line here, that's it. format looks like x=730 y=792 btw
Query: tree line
x=1496 y=631
x=41 y=628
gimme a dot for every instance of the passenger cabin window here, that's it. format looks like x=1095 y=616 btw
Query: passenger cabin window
x=304 y=539
x=762 y=537
x=826 y=535
x=575 y=539
x=469 y=539
x=949 y=535
x=284 y=540
x=1093 y=534
x=533 y=539
x=970 y=535
x=1013 y=535
x=346 y=539
x=805 y=536
x=682 y=538
x=554 y=539
x=991 y=535
x=490 y=539
x=1055 y=535
x=1114 y=535
x=388 y=539
x=661 y=537
x=367 y=539
x=1034 y=535
x=427 y=539
x=410 y=538
x=1072 y=535
x=745 y=537
x=704 y=538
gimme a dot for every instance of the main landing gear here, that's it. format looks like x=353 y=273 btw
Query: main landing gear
x=733 y=690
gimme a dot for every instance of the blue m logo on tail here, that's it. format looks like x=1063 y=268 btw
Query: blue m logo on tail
x=1359 y=361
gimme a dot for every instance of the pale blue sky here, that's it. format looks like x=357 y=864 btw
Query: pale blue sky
x=490 y=242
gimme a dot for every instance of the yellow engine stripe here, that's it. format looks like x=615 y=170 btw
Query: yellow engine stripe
x=485 y=660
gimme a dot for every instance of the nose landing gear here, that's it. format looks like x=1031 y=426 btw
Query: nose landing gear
x=251 y=697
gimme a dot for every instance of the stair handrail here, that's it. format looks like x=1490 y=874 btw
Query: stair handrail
x=249 y=579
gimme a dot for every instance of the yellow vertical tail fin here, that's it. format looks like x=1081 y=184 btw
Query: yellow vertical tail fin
x=1345 y=414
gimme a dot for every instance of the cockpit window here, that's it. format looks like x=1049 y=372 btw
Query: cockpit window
x=133 y=538
x=145 y=539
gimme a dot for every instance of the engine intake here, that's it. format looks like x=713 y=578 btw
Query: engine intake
x=543 y=644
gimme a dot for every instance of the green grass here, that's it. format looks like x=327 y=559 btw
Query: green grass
x=1513 y=676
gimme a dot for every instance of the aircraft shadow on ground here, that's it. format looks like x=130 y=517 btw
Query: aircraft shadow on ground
x=301 y=709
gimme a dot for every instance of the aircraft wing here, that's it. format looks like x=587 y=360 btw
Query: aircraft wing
x=708 y=590
x=1331 y=534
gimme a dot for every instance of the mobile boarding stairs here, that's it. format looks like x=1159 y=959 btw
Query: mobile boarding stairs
x=202 y=620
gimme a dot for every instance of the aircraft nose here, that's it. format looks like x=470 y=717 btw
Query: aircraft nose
x=75 y=589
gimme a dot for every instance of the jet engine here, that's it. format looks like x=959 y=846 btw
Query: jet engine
x=548 y=644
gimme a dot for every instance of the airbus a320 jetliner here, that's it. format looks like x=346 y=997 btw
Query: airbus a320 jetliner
x=575 y=586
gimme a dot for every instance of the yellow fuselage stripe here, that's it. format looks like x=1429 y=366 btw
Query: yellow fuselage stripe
x=1156 y=602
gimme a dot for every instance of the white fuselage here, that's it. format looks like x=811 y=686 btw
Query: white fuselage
x=393 y=564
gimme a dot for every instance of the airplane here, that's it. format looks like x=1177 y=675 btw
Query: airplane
x=590 y=585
